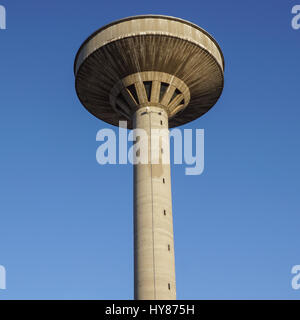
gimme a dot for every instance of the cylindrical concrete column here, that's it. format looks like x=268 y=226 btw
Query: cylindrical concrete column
x=154 y=276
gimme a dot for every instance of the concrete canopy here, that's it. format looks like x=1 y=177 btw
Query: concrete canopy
x=149 y=43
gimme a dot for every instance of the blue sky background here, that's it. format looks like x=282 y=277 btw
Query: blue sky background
x=66 y=222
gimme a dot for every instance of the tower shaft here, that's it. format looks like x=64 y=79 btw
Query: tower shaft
x=154 y=272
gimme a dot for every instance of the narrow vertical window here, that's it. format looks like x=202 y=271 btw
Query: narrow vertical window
x=163 y=88
x=169 y=248
x=169 y=286
x=133 y=92
x=161 y=122
x=165 y=212
x=148 y=88
x=163 y=180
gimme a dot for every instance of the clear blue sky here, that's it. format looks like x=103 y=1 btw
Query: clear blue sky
x=66 y=222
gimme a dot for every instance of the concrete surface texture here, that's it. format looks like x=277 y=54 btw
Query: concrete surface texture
x=155 y=72
x=153 y=222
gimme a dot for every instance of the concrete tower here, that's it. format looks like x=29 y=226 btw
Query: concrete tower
x=155 y=72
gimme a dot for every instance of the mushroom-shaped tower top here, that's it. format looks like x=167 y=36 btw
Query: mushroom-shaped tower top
x=149 y=60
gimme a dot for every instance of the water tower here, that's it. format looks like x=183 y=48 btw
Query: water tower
x=155 y=72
